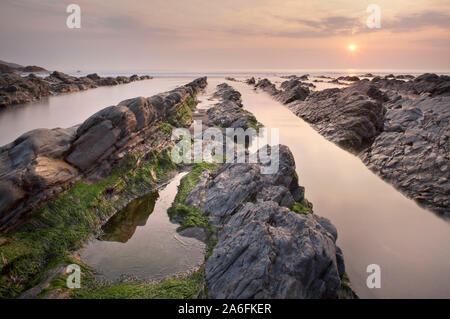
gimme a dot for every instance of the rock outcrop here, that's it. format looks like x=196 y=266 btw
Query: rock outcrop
x=400 y=129
x=38 y=164
x=350 y=117
x=264 y=249
x=16 y=89
x=413 y=150
x=229 y=112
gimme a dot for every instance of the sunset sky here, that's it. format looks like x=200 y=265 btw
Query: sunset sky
x=210 y=35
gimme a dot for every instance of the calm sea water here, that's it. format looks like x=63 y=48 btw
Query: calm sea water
x=141 y=242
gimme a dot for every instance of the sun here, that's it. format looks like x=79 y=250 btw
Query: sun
x=352 y=47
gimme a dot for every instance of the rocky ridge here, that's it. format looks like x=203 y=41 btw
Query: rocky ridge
x=265 y=248
x=17 y=89
x=400 y=129
x=40 y=163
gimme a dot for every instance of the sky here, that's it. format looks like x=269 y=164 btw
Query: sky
x=227 y=35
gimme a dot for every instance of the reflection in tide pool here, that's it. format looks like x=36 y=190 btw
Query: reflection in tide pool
x=140 y=241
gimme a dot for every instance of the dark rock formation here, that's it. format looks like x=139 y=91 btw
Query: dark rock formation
x=264 y=249
x=15 y=89
x=38 y=164
x=350 y=117
x=267 y=86
x=429 y=84
x=33 y=68
x=413 y=150
x=293 y=90
x=229 y=112
x=400 y=129
x=251 y=81
x=348 y=78
x=6 y=69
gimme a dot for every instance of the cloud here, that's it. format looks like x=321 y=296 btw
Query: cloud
x=414 y=22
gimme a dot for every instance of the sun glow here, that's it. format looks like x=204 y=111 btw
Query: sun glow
x=352 y=47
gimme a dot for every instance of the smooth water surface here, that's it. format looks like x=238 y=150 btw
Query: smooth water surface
x=141 y=242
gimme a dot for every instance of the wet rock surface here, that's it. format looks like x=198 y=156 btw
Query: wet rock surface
x=413 y=150
x=398 y=125
x=229 y=112
x=17 y=89
x=40 y=163
x=265 y=250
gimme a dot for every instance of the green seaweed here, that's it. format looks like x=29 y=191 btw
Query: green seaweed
x=305 y=207
x=184 y=287
x=63 y=224
x=182 y=116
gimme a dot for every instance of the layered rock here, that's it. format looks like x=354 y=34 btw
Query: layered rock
x=38 y=165
x=400 y=129
x=413 y=150
x=229 y=112
x=15 y=89
x=428 y=83
x=350 y=117
x=264 y=249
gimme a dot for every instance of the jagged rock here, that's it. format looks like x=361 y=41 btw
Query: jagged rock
x=293 y=90
x=265 y=250
x=348 y=78
x=35 y=166
x=400 y=129
x=430 y=84
x=267 y=86
x=229 y=113
x=226 y=92
x=15 y=89
x=251 y=81
x=350 y=117
x=413 y=151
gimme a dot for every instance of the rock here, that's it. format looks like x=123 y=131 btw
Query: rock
x=33 y=68
x=350 y=117
x=92 y=144
x=15 y=89
x=267 y=86
x=251 y=81
x=413 y=151
x=6 y=69
x=93 y=76
x=265 y=250
x=292 y=90
x=11 y=195
x=348 y=78
x=140 y=107
x=194 y=232
x=37 y=165
x=226 y=92
x=229 y=113
x=398 y=128
x=46 y=172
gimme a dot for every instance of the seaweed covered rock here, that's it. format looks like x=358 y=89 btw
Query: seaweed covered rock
x=264 y=249
x=229 y=112
x=38 y=164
